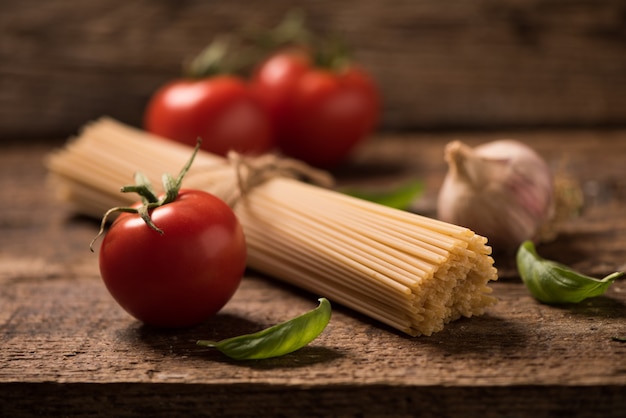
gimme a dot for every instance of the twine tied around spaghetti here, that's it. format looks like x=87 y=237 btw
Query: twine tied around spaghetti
x=254 y=171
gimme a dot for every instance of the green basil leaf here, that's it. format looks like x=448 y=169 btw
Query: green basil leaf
x=399 y=198
x=552 y=282
x=278 y=340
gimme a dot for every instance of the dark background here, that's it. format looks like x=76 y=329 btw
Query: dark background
x=457 y=64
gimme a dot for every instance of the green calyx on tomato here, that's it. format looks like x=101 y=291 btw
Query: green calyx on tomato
x=149 y=198
x=210 y=61
x=224 y=55
x=292 y=33
x=291 y=30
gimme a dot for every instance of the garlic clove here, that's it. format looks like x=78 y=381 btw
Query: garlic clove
x=501 y=190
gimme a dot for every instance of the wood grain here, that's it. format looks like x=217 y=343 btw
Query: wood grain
x=67 y=349
x=439 y=65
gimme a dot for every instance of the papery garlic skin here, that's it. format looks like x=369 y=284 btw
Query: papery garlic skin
x=502 y=190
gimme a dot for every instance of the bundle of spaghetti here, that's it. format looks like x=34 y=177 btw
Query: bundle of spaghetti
x=408 y=271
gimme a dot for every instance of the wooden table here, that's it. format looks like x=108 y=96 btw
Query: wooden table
x=68 y=349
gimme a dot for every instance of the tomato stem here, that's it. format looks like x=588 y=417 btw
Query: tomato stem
x=292 y=30
x=149 y=199
x=332 y=54
x=143 y=188
x=210 y=61
x=328 y=52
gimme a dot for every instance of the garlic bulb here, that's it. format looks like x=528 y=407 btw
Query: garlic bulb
x=502 y=190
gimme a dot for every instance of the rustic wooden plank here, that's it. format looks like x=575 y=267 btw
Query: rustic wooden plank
x=65 y=336
x=67 y=329
x=469 y=64
x=67 y=348
x=167 y=400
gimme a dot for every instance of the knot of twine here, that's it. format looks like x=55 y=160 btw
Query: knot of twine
x=254 y=171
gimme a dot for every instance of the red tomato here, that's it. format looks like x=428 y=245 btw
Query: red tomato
x=183 y=276
x=319 y=115
x=221 y=110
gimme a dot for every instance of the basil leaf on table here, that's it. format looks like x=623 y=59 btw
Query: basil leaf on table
x=277 y=340
x=399 y=198
x=552 y=282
